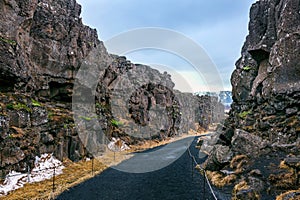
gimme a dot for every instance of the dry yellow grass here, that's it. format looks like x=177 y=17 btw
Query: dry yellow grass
x=283 y=180
x=290 y=193
x=286 y=179
x=244 y=186
x=239 y=163
x=241 y=186
x=219 y=180
x=236 y=160
x=282 y=165
x=75 y=173
x=148 y=144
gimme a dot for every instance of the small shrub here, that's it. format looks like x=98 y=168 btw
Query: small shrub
x=35 y=103
x=98 y=105
x=50 y=114
x=9 y=136
x=116 y=123
x=86 y=118
x=247 y=68
x=18 y=106
x=21 y=106
x=244 y=114
x=11 y=42
x=10 y=106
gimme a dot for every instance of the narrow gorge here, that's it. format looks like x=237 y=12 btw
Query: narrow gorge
x=43 y=46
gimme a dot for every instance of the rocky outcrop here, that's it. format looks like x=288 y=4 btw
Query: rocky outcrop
x=264 y=117
x=210 y=110
x=42 y=44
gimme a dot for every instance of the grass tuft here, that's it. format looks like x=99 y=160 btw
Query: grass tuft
x=73 y=174
x=219 y=180
x=292 y=194
x=247 y=68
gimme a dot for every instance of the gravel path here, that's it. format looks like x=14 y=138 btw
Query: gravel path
x=179 y=180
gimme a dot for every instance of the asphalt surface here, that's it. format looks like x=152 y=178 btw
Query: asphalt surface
x=178 y=180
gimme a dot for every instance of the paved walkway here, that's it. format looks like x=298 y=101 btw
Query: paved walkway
x=178 y=180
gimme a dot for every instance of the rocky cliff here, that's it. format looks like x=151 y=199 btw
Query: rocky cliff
x=43 y=47
x=263 y=127
x=42 y=44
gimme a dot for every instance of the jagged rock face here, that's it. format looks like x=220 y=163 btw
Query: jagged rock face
x=42 y=45
x=263 y=68
x=150 y=95
x=264 y=117
x=210 y=110
x=266 y=84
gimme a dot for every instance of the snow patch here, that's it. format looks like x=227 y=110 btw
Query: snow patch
x=43 y=169
x=117 y=145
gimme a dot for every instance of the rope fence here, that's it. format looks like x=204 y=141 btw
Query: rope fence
x=204 y=173
x=53 y=170
x=22 y=175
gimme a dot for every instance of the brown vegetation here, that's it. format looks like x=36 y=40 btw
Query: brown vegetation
x=289 y=195
x=219 y=180
x=239 y=163
x=286 y=179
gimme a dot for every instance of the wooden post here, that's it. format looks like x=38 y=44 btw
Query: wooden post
x=28 y=174
x=92 y=166
x=192 y=168
x=204 y=183
x=53 y=180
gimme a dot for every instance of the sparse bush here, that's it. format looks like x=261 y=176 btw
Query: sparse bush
x=244 y=114
x=247 y=68
x=10 y=106
x=116 y=123
x=18 y=106
x=35 y=103
x=8 y=41
x=86 y=118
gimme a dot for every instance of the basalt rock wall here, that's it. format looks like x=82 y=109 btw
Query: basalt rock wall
x=264 y=118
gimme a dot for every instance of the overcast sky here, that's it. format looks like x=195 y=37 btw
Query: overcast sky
x=218 y=26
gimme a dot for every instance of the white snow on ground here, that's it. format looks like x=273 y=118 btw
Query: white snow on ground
x=117 y=145
x=43 y=169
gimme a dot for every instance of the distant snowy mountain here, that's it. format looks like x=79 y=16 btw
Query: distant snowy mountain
x=225 y=97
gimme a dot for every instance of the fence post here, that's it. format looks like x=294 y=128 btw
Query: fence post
x=1 y=157
x=28 y=174
x=204 y=183
x=1 y=175
x=53 y=180
x=92 y=166
x=192 y=168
